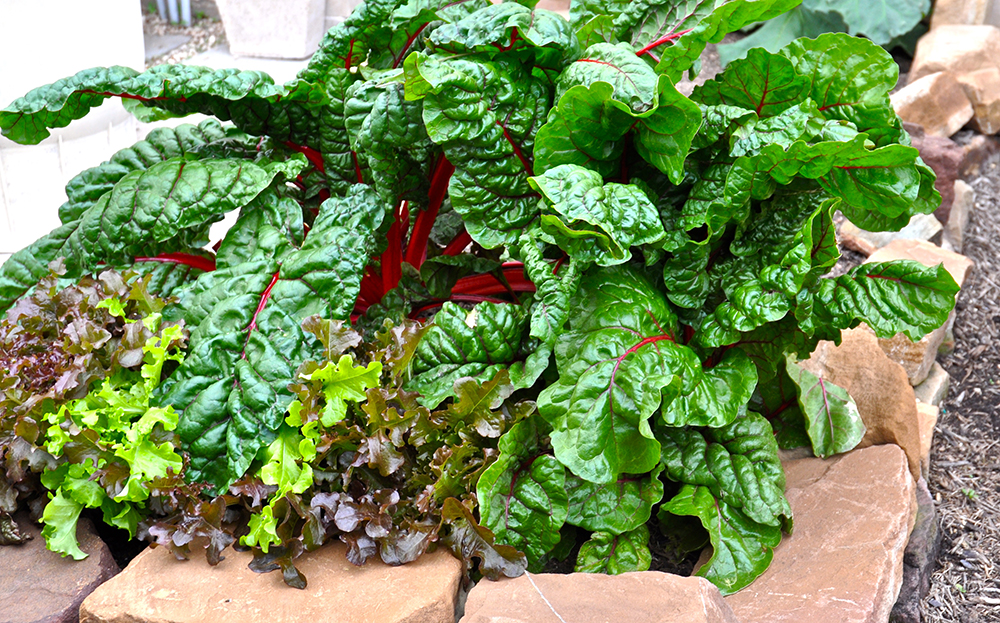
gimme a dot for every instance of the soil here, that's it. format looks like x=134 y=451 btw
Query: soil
x=965 y=459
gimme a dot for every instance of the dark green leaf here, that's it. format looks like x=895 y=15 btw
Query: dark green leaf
x=615 y=553
x=831 y=417
x=616 y=507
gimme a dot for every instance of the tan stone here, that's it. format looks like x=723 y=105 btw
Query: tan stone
x=936 y=102
x=157 y=588
x=958 y=217
x=37 y=585
x=844 y=561
x=982 y=87
x=968 y=12
x=933 y=390
x=915 y=357
x=920 y=227
x=956 y=49
x=927 y=254
x=878 y=385
x=649 y=597
x=927 y=417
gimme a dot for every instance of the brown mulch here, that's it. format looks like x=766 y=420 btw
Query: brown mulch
x=205 y=33
x=965 y=460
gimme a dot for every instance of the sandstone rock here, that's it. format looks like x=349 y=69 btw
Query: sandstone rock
x=927 y=254
x=927 y=417
x=156 y=587
x=975 y=153
x=968 y=12
x=915 y=357
x=37 y=585
x=944 y=156
x=936 y=102
x=958 y=216
x=920 y=227
x=933 y=390
x=918 y=559
x=844 y=561
x=650 y=597
x=879 y=387
x=982 y=87
x=956 y=49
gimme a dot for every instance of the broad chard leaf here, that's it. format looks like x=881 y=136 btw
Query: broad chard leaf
x=738 y=463
x=167 y=206
x=245 y=345
x=465 y=343
x=831 y=416
x=742 y=549
x=616 y=507
x=522 y=496
x=613 y=554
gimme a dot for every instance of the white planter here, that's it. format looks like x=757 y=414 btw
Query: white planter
x=42 y=41
x=273 y=28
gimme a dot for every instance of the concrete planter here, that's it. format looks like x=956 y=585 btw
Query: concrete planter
x=273 y=28
x=41 y=42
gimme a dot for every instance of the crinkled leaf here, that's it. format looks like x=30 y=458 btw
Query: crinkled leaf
x=615 y=553
x=741 y=548
x=616 y=507
x=593 y=221
x=890 y=297
x=471 y=540
x=737 y=462
x=716 y=396
x=168 y=205
x=342 y=382
x=523 y=495
x=764 y=83
x=474 y=343
x=60 y=517
x=247 y=339
x=831 y=416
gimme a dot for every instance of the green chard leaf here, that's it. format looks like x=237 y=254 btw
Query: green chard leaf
x=592 y=221
x=166 y=206
x=465 y=343
x=522 y=495
x=741 y=548
x=247 y=339
x=737 y=462
x=615 y=553
x=673 y=33
x=831 y=416
x=616 y=507
x=764 y=83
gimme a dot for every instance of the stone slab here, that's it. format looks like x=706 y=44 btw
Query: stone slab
x=936 y=102
x=919 y=559
x=920 y=227
x=844 y=561
x=273 y=28
x=957 y=49
x=927 y=417
x=879 y=387
x=966 y=12
x=982 y=87
x=38 y=586
x=157 y=588
x=915 y=357
x=649 y=597
x=158 y=45
x=945 y=157
x=958 y=216
x=934 y=389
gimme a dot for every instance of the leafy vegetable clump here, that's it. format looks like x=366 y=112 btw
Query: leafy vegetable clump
x=495 y=283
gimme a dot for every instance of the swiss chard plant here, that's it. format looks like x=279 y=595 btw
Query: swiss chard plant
x=494 y=282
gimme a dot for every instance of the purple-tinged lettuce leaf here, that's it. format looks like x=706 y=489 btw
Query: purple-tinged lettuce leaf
x=616 y=507
x=741 y=548
x=472 y=540
x=522 y=496
x=615 y=553
x=737 y=462
x=831 y=417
